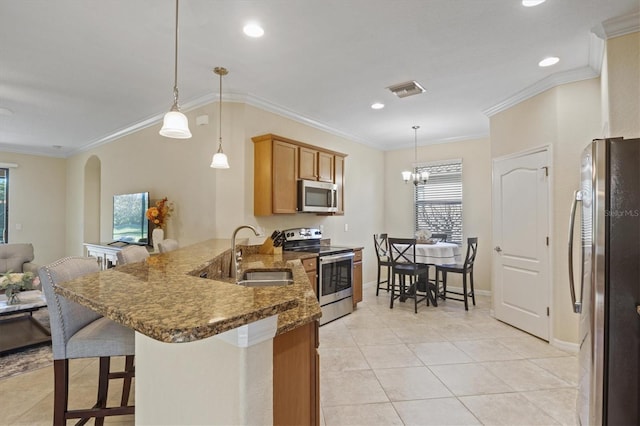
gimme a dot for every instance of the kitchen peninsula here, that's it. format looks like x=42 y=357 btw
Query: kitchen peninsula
x=207 y=350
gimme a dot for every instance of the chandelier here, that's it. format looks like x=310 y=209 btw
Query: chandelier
x=417 y=178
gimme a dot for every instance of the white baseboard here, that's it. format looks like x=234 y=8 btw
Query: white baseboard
x=478 y=292
x=565 y=346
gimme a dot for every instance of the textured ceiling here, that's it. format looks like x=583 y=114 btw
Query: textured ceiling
x=74 y=73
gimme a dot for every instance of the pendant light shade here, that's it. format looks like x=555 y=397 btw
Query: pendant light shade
x=175 y=124
x=220 y=160
x=416 y=178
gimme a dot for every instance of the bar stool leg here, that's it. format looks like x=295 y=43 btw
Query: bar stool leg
x=61 y=390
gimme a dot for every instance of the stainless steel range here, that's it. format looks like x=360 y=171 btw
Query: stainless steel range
x=335 y=271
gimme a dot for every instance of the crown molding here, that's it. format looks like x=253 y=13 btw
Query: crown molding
x=610 y=28
x=557 y=79
x=621 y=25
x=34 y=150
x=210 y=98
x=287 y=113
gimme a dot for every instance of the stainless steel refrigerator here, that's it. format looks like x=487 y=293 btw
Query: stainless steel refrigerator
x=607 y=285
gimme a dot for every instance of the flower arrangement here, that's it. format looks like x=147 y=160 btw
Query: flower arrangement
x=13 y=283
x=159 y=213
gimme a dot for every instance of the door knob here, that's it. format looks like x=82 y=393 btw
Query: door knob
x=497 y=248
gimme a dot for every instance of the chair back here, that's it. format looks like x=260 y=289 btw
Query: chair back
x=402 y=250
x=132 y=254
x=167 y=245
x=472 y=250
x=439 y=237
x=66 y=317
x=382 y=247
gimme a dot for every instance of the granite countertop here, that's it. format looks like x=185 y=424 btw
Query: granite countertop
x=165 y=298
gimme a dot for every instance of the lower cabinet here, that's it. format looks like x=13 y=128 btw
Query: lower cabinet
x=357 y=277
x=311 y=268
x=296 y=376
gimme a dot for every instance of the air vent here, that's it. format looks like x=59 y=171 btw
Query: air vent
x=408 y=88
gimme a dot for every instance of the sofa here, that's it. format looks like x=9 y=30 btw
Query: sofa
x=17 y=257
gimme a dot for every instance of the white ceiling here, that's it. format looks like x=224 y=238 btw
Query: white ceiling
x=77 y=72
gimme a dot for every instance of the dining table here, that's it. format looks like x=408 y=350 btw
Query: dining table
x=439 y=253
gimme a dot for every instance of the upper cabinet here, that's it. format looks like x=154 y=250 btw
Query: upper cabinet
x=308 y=163
x=325 y=166
x=278 y=164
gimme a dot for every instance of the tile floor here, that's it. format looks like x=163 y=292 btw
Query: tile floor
x=442 y=366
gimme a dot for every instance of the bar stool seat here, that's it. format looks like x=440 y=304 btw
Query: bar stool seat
x=78 y=332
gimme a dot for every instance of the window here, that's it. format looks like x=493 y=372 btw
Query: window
x=4 y=204
x=438 y=203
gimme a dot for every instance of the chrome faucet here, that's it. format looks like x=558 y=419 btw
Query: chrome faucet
x=236 y=256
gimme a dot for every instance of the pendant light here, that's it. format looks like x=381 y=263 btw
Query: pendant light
x=175 y=124
x=220 y=160
x=408 y=176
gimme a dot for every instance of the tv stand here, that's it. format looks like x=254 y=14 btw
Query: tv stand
x=107 y=253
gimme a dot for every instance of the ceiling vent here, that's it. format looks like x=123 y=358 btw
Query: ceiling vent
x=409 y=88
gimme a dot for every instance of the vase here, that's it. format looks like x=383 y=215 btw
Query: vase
x=157 y=236
x=12 y=297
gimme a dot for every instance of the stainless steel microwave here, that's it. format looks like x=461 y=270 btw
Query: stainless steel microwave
x=317 y=197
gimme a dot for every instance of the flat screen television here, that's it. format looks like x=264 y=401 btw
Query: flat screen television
x=130 y=223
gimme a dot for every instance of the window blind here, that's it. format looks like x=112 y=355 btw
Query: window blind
x=438 y=203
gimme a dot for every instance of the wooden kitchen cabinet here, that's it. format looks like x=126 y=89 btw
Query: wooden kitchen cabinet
x=278 y=164
x=296 y=376
x=311 y=267
x=338 y=179
x=357 y=277
x=308 y=163
x=275 y=176
x=325 y=166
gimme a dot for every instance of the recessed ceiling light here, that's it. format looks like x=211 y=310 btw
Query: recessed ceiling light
x=531 y=3
x=253 y=29
x=547 y=62
x=377 y=105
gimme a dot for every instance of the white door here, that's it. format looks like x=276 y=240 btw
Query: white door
x=521 y=284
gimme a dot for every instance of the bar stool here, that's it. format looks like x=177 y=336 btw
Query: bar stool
x=132 y=254
x=79 y=332
x=167 y=245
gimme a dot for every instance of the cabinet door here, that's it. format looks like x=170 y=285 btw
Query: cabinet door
x=295 y=377
x=325 y=167
x=285 y=166
x=338 y=179
x=357 y=283
x=308 y=164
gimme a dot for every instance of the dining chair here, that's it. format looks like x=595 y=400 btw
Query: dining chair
x=132 y=254
x=403 y=264
x=167 y=245
x=441 y=238
x=78 y=332
x=465 y=269
x=384 y=260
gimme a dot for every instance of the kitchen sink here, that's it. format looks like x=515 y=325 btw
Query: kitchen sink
x=264 y=278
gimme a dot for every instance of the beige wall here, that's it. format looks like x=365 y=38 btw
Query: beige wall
x=37 y=203
x=566 y=119
x=623 y=85
x=210 y=203
x=476 y=193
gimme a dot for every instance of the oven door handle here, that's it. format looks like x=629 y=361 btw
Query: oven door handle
x=336 y=257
